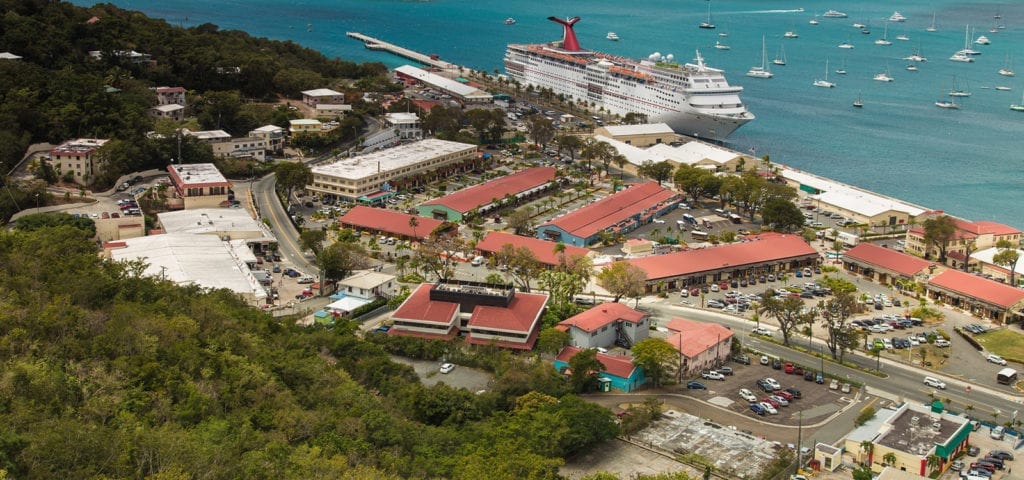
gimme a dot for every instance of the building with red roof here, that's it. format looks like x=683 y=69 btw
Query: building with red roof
x=619 y=371
x=485 y=314
x=983 y=297
x=760 y=255
x=388 y=222
x=703 y=346
x=883 y=265
x=607 y=324
x=973 y=236
x=621 y=212
x=487 y=196
x=544 y=250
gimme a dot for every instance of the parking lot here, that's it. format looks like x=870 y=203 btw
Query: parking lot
x=816 y=401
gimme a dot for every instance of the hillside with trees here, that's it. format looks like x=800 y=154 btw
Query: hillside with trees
x=108 y=374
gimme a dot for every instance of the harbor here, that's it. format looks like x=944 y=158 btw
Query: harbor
x=377 y=44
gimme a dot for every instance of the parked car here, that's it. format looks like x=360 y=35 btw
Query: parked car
x=712 y=375
x=809 y=375
x=788 y=368
x=305 y=280
x=447 y=367
x=779 y=400
x=725 y=370
x=784 y=394
x=745 y=360
x=794 y=392
x=747 y=395
x=695 y=386
x=819 y=378
x=833 y=385
x=996 y=359
x=776 y=364
x=845 y=388
x=769 y=408
x=764 y=360
x=1001 y=454
x=942 y=343
x=758 y=409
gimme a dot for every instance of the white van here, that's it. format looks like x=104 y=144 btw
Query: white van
x=934 y=383
x=477 y=261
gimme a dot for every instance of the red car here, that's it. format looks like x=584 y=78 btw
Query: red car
x=724 y=285
x=771 y=401
x=784 y=394
x=789 y=368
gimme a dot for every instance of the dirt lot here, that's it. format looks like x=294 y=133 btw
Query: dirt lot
x=461 y=377
x=817 y=403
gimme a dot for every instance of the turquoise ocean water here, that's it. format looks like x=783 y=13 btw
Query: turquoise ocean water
x=967 y=162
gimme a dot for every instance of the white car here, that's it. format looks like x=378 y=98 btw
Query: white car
x=713 y=375
x=780 y=400
x=761 y=331
x=772 y=383
x=934 y=383
x=769 y=408
x=942 y=343
x=996 y=359
x=447 y=367
x=834 y=385
x=658 y=220
x=748 y=395
x=764 y=360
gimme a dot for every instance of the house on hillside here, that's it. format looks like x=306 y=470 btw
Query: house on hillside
x=605 y=325
x=619 y=371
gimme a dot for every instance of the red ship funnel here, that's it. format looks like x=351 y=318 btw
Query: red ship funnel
x=569 y=42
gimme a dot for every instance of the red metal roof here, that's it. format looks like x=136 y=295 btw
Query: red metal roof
x=519 y=316
x=527 y=345
x=542 y=249
x=469 y=198
x=995 y=228
x=979 y=288
x=618 y=365
x=888 y=259
x=968 y=229
x=603 y=314
x=693 y=338
x=419 y=308
x=760 y=249
x=388 y=221
x=587 y=221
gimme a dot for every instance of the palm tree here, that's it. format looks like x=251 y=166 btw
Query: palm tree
x=414 y=222
x=868 y=447
x=933 y=462
x=889 y=459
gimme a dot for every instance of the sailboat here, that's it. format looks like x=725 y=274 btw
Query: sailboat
x=857 y=103
x=931 y=28
x=722 y=46
x=965 y=54
x=846 y=44
x=884 y=76
x=957 y=92
x=825 y=83
x=708 y=25
x=1019 y=107
x=762 y=71
x=884 y=40
x=780 y=59
x=813 y=21
x=842 y=68
x=1007 y=70
x=949 y=104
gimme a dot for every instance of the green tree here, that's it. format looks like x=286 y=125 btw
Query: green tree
x=835 y=312
x=889 y=459
x=520 y=220
x=570 y=144
x=653 y=355
x=521 y=265
x=585 y=368
x=340 y=259
x=862 y=473
x=660 y=171
x=36 y=221
x=552 y=340
x=292 y=175
x=312 y=240
x=697 y=182
x=933 y=462
x=437 y=255
x=540 y=129
x=788 y=312
x=782 y=214
x=623 y=279
x=1006 y=257
x=938 y=232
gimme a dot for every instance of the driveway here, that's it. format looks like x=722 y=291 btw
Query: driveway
x=462 y=377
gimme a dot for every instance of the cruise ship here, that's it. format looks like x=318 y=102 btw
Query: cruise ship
x=693 y=99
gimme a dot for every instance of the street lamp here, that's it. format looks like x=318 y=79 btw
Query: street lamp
x=37 y=203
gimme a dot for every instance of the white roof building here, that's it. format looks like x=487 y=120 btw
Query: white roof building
x=321 y=92
x=852 y=199
x=209 y=135
x=391 y=159
x=644 y=129
x=234 y=223
x=202 y=260
x=693 y=153
x=458 y=89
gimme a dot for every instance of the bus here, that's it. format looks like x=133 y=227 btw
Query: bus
x=1007 y=376
x=699 y=235
x=735 y=218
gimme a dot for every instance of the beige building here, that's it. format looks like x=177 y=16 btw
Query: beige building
x=366 y=178
x=108 y=229
x=911 y=433
x=331 y=110
x=973 y=236
x=273 y=135
x=79 y=159
x=860 y=206
x=254 y=147
x=694 y=153
x=199 y=185
x=640 y=136
x=307 y=126
x=170 y=111
x=322 y=95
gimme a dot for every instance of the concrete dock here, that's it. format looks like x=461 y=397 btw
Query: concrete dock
x=376 y=44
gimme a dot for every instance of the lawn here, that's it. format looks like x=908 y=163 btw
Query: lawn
x=1007 y=343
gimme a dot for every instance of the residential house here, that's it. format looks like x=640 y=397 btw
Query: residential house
x=170 y=96
x=322 y=95
x=273 y=135
x=359 y=289
x=199 y=185
x=171 y=111
x=605 y=325
x=619 y=371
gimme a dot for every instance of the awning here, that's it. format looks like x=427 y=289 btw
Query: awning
x=347 y=304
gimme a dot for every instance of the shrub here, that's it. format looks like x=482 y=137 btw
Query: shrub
x=866 y=414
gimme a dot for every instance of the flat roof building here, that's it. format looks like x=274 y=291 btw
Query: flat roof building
x=389 y=222
x=641 y=136
x=985 y=260
x=322 y=95
x=184 y=258
x=368 y=178
x=859 y=205
x=459 y=91
x=983 y=297
x=621 y=212
x=308 y=126
x=487 y=314
x=768 y=253
x=884 y=265
x=208 y=136
x=543 y=250
x=911 y=433
x=199 y=185
x=171 y=111
x=79 y=159
x=231 y=223
x=694 y=153
x=170 y=95
x=489 y=195
x=272 y=134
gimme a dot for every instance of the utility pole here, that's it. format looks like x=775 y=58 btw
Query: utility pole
x=799 y=444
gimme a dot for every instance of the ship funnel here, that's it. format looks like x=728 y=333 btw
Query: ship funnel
x=569 y=42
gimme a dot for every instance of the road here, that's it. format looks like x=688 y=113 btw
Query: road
x=901 y=382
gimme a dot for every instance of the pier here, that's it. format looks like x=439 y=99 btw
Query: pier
x=375 y=44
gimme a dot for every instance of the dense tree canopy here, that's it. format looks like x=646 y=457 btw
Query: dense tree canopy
x=106 y=374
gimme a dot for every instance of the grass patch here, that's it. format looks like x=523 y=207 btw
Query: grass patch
x=1006 y=343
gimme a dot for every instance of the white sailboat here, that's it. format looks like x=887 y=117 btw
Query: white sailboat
x=858 y=103
x=707 y=24
x=722 y=46
x=813 y=21
x=842 y=67
x=884 y=41
x=884 y=76
x=847 y=45
x=762 y=71
x=947 y=104
x=824 y=83
x=964 y=55
x=780 y=59
x=1019 y=107
x=958 y=92
x=931 y=28
x=1007 y=70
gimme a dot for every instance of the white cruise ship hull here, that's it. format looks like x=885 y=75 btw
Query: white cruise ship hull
x=693 y=99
